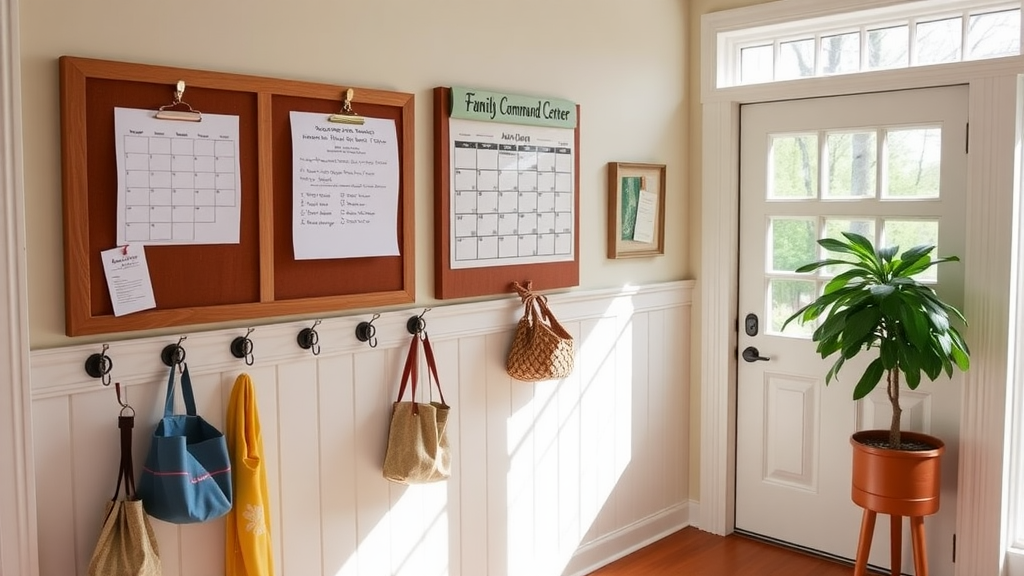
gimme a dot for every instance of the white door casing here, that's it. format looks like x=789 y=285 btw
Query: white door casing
x=792 y=441
x=17 y=494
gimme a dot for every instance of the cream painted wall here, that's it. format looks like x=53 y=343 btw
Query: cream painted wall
x=697 y=9
x=624 y=63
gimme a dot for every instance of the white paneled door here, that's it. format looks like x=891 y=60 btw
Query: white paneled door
x=891 y=166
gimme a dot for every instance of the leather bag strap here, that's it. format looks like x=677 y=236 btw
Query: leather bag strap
x=432 y=365
x=410 y=370
x=127 y=471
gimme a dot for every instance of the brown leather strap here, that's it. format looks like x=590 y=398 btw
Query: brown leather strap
x=432 y=365
x=411 y=371
x=127 y=472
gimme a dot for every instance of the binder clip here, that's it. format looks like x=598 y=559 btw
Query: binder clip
x=167 y=112
x=347 y=115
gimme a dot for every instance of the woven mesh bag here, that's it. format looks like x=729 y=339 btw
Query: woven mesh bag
x=542 y=349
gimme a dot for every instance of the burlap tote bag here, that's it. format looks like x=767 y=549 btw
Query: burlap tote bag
x=541 y=349
x=127 y=545
x=418 y=450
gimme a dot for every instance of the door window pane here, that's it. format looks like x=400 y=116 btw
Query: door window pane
x=909 y=233
x=757 y=64
x=993 y=34
x=852 y=164
x=793 y=243
x=794 y=167
x=887 y=48
x=939 y=41
x=796 y=59
x=913 y=158
x=834 y=227
x=786 y=297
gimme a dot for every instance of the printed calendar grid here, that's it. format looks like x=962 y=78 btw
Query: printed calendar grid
x=511 y=201
x=173 y=183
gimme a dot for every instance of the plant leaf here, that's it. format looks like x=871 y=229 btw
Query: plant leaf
x=872 y=375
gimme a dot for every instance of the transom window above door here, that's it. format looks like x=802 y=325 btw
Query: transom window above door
x=894 y=36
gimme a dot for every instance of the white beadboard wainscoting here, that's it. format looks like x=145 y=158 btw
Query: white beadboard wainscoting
x=548 y=478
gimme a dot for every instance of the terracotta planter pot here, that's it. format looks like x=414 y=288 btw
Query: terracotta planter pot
x=896 y=482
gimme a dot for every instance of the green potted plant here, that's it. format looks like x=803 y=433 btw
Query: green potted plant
x=875 y=305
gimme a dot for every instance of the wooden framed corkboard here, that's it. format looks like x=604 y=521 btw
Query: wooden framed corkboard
x=496 y=274
x=257 y=277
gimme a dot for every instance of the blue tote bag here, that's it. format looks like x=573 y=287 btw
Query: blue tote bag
x=187 y=475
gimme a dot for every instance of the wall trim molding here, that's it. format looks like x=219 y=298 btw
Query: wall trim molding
x=18 y=544
x=627 y=540
x=61 y=371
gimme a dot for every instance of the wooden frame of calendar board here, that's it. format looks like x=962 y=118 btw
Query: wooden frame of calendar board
x=490 y=280
x=257 y=277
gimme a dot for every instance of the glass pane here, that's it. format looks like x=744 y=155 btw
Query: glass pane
x=993 y=34
x=794 y=167
x=913 y=158
x=887 y=47
x=840 y=54
x=852 y=165
x=939 y=41
x=786 y=297
x=796 y=59
x=793 y=243
x=834 y=227
x=909 y=233
x=757 y=64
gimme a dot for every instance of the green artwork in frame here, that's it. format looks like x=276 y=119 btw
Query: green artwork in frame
x=630 y=201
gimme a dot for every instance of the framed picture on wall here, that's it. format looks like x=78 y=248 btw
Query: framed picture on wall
x=636 y=210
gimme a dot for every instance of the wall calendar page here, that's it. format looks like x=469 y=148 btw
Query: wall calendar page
x=511 y=194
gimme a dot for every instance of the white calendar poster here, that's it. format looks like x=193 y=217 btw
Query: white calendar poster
x=177 y=182
x=511 y=194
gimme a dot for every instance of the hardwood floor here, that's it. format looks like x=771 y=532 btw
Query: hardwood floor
x=695 y=553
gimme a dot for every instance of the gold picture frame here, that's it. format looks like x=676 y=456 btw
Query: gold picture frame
x=636 y=210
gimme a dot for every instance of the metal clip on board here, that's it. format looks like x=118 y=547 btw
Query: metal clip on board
x=347 y=115
x=167 y=112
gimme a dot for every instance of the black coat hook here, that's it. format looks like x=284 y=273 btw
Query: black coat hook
x=241 y=347
x=417 y=324
x=308 y=339
x=366 y=331
x=173 y=353
x=99 y=365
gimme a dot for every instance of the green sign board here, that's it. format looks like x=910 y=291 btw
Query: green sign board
x=471 y=104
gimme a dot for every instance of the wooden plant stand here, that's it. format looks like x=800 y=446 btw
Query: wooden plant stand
x=898 y=483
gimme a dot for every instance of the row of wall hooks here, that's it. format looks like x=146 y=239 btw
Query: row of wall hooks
x=99 y=364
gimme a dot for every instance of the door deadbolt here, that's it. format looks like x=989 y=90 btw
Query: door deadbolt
x=750 y=324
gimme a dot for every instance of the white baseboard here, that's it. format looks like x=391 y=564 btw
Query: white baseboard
x=620 y=543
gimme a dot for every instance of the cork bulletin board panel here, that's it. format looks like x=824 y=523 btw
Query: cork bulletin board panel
x=199 y=283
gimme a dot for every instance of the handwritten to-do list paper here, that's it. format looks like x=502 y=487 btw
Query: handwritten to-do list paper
x=345 y=181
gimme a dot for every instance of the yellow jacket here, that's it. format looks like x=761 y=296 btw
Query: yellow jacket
x=248 y=548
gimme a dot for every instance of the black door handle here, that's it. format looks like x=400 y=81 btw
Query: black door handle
x=750 y=354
